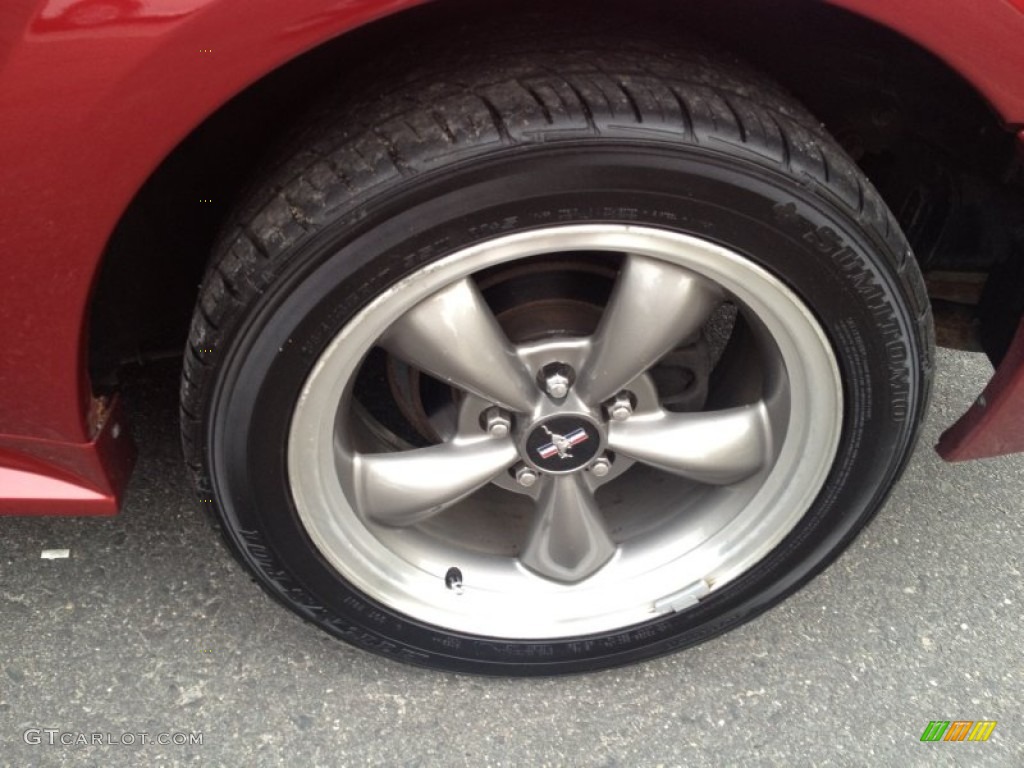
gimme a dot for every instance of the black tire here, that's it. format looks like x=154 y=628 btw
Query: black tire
x=477 y=144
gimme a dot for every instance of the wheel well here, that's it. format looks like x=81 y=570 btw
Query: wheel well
x=939 y=156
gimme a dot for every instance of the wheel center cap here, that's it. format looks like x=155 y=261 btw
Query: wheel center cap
x=563 y=443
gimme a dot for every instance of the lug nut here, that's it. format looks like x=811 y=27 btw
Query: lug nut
x=496 y=422
x=556 y=378
x=526 y=477
x=601 y=467
x=557 y=385
x=621 y=407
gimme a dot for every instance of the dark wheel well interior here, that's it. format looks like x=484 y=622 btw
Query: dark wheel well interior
x=939 y=156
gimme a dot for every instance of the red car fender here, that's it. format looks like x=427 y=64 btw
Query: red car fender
x=980 y=40
x=994 y=424
x=97 y=92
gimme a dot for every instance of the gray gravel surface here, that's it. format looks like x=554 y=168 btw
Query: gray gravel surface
x=150 y=626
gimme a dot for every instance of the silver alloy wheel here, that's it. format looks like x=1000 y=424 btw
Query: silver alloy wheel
x=692 y=501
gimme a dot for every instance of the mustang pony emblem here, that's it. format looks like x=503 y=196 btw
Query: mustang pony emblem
x=561 y=444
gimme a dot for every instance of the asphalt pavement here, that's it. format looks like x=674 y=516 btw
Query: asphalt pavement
x=150 y=627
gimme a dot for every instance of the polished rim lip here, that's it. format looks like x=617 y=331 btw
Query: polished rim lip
x=617 y=596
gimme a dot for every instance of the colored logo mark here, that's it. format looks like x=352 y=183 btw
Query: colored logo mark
x=958 y=730
x=561 y=444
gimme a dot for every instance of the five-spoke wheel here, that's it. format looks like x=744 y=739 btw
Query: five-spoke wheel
x=548 y=356
x=550 y=519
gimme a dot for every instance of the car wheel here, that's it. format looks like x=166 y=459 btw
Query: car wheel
x=553 y=360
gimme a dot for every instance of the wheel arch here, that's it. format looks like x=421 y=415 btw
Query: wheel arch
x=119 y=298
x=146 y=281
x=199 y=167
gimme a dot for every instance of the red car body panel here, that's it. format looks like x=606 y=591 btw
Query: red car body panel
x=980 y=40
x=994 y=425
x=94 y=94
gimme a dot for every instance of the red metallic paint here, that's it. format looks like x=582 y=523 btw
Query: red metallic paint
x=980 y=39
x=95 y=93
x=994 y=425
x=55 y=478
